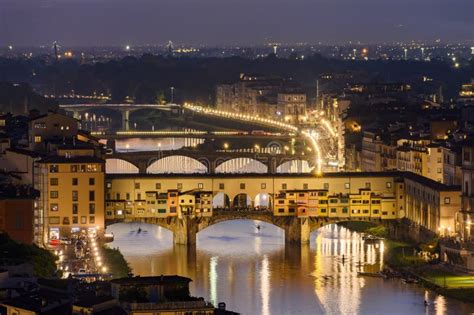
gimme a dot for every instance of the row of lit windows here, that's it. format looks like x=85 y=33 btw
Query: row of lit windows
x=82 y=168
x=75 y=181
x=54 y=194
x=54 y=207
x=284 y=186
x=75 y=220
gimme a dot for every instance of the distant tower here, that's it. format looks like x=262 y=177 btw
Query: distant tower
x=170 y=48
x=317 y=94
x=275 y=47
x=422 y=53
x=56 y=51
x=406 y=53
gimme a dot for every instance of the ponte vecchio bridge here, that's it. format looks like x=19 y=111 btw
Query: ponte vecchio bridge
x=298 y=203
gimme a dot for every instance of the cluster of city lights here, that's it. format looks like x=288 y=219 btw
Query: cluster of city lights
x=311 y=136
x=220 y=113
x=326 y=124
x=97 y=257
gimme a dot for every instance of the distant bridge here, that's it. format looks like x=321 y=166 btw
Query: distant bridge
x=124 y=109
x=208 y=162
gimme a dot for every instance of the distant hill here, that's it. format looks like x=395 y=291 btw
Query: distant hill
x=20 y=99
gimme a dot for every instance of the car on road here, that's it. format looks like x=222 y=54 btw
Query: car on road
x=54 y=242
x=65 y=241
x=81 y=271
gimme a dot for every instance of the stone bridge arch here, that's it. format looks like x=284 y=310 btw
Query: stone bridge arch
x=240 y=165
x=177 y=164
x=294 y=165
x=120 y=166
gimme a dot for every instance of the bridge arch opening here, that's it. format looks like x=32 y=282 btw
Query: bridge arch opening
x=263 y=201
x=294 y=166
x=241 y=165
x=176 y=164
x=119 y=166
x=242 y=201
x=221 y=201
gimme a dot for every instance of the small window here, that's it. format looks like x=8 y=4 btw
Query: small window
x=305 y=186
x=83 y=220
x=73 y=168
x=221 y=186
x=91 y=195
x=367 y=185
x=137 y=185
x=91 y=181
x=109 y=185
x=333 y=210
x=127 y=196
x=53 y=182
x=92 y=208
x=179 y=186
x=75 y=181
x=242 y=186
x=326 y=186
x=75 y=195
x=54 y=168
x=54 y=207
x=200 y=185
x=91 y=219
x=347 y=185
x=263 y=186
x=284 y=186
x=37 y=139
x=54 y=194
x=447 y=200
x=75 y=220
x=157 y=186
x=74 y=208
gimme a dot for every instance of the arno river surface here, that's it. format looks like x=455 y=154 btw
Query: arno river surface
x=253 y=273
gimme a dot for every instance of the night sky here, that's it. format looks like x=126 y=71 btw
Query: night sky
x=137 y=22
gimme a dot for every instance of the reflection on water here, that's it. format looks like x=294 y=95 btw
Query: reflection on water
x=253 y=272
x=155 y=144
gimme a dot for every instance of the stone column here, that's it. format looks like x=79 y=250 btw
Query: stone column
x=125 y=120
x=271 y=166
x=297 y=231
x=185 y=231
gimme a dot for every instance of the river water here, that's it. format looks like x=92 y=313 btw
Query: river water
x=253 y=272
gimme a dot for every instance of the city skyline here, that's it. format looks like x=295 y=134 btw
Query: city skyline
x=210 y=22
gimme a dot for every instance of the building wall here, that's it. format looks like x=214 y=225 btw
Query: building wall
x=16 y=219
x=58 y=197
x=51 y=126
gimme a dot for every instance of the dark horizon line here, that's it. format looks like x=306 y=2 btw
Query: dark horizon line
x=251 y=45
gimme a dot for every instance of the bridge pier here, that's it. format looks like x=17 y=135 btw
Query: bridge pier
x=271 y=166
x=185 y=231
x=297 y=231
x=125 y=120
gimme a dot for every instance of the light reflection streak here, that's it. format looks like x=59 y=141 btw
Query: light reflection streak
x=213 y=279
x=265 y=285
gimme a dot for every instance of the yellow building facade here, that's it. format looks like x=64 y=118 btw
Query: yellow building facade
x=72 y=195
x=335 y=195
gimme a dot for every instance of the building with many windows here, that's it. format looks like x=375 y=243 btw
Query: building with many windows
x=72 y=193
